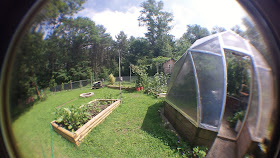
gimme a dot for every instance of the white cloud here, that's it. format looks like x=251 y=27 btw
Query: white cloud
x=225 y=13
x=116 y=21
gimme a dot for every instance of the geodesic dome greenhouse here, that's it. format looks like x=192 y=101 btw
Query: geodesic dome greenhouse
x=198 y=84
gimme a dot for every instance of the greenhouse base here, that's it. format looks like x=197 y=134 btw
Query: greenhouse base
x=187 y=130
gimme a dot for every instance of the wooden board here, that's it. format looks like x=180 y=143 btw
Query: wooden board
x=118 y=87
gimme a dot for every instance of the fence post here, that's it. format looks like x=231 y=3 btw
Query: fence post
x=81 y=84
x=129 y=72
x=90 y=80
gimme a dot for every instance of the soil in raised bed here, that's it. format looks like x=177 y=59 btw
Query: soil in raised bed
x=96 y=109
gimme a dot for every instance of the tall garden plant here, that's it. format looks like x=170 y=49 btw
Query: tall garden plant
x=142 y=76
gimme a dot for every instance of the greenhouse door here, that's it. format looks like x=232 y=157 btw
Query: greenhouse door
x=239 y=72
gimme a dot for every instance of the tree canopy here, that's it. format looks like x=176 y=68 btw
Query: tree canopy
x=158 y=26
x=195 y=32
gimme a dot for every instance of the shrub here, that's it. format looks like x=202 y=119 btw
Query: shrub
x=112 y=79
x=142 y=76
x=157 y=84
x=62 y=86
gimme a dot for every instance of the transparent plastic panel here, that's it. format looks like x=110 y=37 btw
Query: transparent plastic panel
x=212 y=45
x=232 y=40
x=203 y=40
x=183 y=92
x=259 y=59
x=210 y=74
x=266 y=103
x=176 y=69
x=254 y=107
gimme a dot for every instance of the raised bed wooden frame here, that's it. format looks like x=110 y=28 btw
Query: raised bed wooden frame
x=123 y=88
x=78 y=136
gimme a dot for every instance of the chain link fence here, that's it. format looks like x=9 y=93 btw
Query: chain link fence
x=86 y=83
x=71 y=85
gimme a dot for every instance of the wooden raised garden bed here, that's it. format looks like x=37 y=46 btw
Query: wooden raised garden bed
x=118 y=87
x=78 y=135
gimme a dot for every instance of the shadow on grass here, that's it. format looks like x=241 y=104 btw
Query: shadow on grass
x=18 y=110
x=154 y=125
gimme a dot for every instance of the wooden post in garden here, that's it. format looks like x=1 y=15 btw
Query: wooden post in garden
x=120 y=75
x=129 y=72
x=157 y=67
x=90 y=78
x=71 y=84
x=38 y=93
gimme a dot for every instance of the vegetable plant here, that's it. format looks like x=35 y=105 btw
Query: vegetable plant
x=72 y=118
x=236 y=116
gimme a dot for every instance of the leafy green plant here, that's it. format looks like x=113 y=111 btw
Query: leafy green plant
x=157 y=84
x=108 y=96
x=112 y=79
x=142 y=76
x=98 y=110
x=62 y=86
x=72 y=117
x=236 y=116
x=199 y=152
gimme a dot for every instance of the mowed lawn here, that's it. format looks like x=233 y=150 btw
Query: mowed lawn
x=134 y=129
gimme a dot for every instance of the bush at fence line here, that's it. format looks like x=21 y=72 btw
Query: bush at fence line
x=62 y=86
x=43 y=95
x=112 y=79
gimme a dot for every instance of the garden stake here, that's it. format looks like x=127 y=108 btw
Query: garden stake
x=51 y=141
x=43 y=151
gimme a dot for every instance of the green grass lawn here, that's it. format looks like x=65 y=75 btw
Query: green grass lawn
x=134 y=129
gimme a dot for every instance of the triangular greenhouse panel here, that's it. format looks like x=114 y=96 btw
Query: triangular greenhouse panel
x=183 y=91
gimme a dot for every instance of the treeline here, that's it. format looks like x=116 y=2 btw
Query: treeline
x=59 y=47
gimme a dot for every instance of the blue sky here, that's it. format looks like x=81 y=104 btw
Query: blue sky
x=121 y=15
